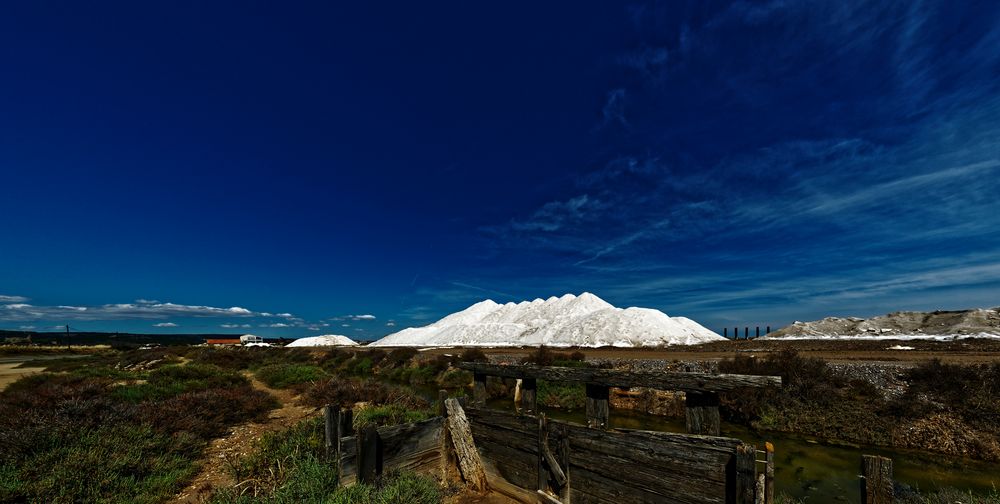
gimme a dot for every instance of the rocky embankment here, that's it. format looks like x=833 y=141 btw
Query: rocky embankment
x=977 y=321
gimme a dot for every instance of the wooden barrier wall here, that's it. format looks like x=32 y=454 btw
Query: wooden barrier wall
x=413 y=447
x=617 y=466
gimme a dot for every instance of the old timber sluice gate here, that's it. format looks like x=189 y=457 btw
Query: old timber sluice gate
x=535 y=459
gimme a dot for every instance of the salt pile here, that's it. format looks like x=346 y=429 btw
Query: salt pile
x=585 y=320
x=323 y=340
x=904 y=325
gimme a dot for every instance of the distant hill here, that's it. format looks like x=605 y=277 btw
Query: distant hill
x=972 y=322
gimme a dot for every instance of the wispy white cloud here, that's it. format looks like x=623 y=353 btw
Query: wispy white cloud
x=141 y=309
x=165 y=324
x=13 y=299
x=361 y=317
x=235 y=326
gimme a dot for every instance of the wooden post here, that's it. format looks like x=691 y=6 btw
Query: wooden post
x=597 y=406
x=768 y=331
x=529 y=388
x=736 y=333
x=543 y=474
x=445 y=438
x=725 y=332
x=758 y=493
x=758 y=332
x=469 y=461
x=442 y=397
x=330 y=426
x=746 y=332
x=876 y=480
x=369 y=454
x=746 y=458
x=479 y=390
x=768 y=473
x=701 y=413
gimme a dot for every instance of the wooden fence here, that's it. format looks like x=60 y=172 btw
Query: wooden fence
x=567 y=462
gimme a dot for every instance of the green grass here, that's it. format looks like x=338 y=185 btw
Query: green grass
x=388 y=414
x=288 y=375
x=562 y=394
x=82 y=436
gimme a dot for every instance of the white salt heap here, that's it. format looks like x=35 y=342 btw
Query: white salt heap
x=585 y=320
x=324 y=340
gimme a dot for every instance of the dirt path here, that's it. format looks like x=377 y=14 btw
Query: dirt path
x=240 y=440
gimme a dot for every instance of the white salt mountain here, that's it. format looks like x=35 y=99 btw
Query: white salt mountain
x=585 y=320
x=323 y=340
x=903 y=325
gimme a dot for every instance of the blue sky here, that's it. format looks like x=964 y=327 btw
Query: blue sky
x=321 y=168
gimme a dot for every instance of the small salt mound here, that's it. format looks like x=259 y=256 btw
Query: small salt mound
x=324 y=340
x=899 y=347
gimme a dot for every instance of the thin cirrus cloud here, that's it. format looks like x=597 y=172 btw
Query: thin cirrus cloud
x=165 y=324
x=354 y=317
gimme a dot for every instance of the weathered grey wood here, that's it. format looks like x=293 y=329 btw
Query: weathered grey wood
x=758 y=496
x=348 y=460
x=442 y=397
x=445 y=446
x=369 y=455
x=414 y=446
x=468 y=458
x=543 y=473
x=478 y=390
x=876 y=480
x=768 y=473
x=746 y=480
x=704 y=382
x=529 y=391
x=330 y=426
x=554 y=470
x=647 y=466
x=597 y=406
x=701 y=412
x=563 y=442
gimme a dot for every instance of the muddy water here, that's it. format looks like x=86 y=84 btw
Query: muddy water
x=818 y=472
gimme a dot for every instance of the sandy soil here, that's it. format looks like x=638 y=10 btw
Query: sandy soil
x=239 y=442
x=10 y=373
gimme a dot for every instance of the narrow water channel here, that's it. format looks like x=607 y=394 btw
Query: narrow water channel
x=814 y=471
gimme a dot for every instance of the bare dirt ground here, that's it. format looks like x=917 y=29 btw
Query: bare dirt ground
x=240 y=441
x=969 y=351
x=10 y=373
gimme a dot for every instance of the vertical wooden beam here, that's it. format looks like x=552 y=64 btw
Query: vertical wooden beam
x=768 y=473
x=758 y=332
x=543 y=473
x=746 y=459
x=330 y=426
x=702 y=413
x=876 y=480
x=478 y=390
x=564 y=495
x=597 y=406
x=369 y=454
x=442 y=397
x=529 y=388
x=725 y=332
x=758 y=493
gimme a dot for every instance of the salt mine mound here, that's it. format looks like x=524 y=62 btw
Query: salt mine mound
x=935 y=325
x=585 y=321
x=323 y=340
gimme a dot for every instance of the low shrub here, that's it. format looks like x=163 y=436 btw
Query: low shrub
x=170 y=381
x=345 y=393
x=388 y=414
x=287 y=375
x=561 y=394
x=544 y=356
x=473 y=355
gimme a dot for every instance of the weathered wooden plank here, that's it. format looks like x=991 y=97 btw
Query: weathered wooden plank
x=768 y=473
x=704 y=382
x=468 y=458
x=702 y=413
x=876 y=480
x=529 y=393
x=369 y=461
x=348 y=460
x=745 y=477
x=478 y=390
x=514 y=465
x=411 y=445
x=597 y=406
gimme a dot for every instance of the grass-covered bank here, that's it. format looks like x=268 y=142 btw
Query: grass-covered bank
x=946 y=408
x=291 y=467
x=105 y=434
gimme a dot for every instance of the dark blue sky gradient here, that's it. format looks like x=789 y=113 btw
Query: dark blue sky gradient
x=738 y=163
